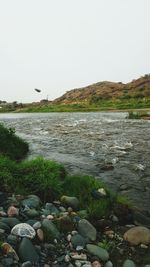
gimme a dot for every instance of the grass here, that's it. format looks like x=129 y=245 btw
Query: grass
x=138 y=115
x=48 y=179
x=11 y=145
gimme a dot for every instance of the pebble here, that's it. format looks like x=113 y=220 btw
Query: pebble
x=12 y=211
x=129 y=263
x=87 y=230
x=23 y=230
x=73 y=245
x=96 y=264
x=40 y=234
x=27 y=251
x=108 y=264
x=37 y=225
x=137 y=235
x=101 y=253
x=26 y=264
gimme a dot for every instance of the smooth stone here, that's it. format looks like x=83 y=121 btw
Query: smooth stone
x=8 y=249
x=31 y=222
x=108 y=264
x=87 y=230
x=11 y=222
x=12 y=239
x=8 y=262
x=4 y=226
x=101 y=253
x=23 y=230
x=72 y=202
x=40 y=234
x=37 y=225
x=51 y=207
x=2 y=231
x=32 y=201
x=26 y=264
x=12 y=211
x=45 y=212
x=27 y=251
x=78 y=240
x=129 y=263
x=137 y=235
x=96 y=263
x=32 y=213
x=50 y=230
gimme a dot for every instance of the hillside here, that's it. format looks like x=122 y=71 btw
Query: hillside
x=106 y=90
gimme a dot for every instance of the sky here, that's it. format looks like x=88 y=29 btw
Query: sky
x=59 y=45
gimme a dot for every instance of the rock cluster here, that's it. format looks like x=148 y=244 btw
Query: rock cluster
x=59 y=234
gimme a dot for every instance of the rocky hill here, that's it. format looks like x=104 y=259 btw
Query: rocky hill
x=139 y=88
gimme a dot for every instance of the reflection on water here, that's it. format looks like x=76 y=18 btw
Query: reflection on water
x=103 y=144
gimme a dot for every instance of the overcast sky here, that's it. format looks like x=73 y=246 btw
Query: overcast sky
x=58 y=45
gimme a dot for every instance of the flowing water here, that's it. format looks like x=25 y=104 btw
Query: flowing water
x=106 y=145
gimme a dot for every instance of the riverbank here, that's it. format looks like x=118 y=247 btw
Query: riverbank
x=76 y=221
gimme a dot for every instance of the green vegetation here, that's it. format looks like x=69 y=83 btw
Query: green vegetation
x=96 y=105
x=138 y=115
x=11 y=145
x=48 y=179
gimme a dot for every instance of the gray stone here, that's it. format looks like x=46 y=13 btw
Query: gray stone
x=37 y=225
x=129 y=263
x=50 y=230
x=108 y=264
x=27 y=251
x=32 y=213
x=23 y=230
x=87 y=230
x=32 y=201
x=12 y=239
x=4 y=226
x=8 y=262
x=72 y=202
x=101 y=253
x=26 y=264
x=51 y=207
x=31 y=222
x=78 y=240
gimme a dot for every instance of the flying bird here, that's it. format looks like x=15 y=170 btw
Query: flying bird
x=37 y=90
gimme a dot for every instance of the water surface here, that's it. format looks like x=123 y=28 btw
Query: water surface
x=104 y=144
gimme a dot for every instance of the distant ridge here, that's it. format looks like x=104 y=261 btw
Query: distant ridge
x=139 y=88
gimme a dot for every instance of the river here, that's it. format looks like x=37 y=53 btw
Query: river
x=104 y=144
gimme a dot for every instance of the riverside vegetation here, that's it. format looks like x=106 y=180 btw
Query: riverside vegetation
x=79 y=222
x=96 y=97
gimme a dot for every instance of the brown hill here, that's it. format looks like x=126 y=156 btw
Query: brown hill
x=139 y=88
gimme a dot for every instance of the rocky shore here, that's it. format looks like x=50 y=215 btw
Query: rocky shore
x=59 y=234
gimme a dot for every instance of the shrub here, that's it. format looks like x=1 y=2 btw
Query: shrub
x=7 y=171
x=82 y=187
x=11 y=145
x=41 y=177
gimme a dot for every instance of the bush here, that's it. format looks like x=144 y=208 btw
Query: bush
x=41 y=177
x=11 y=145
x=82 y=188
x=8 y=169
